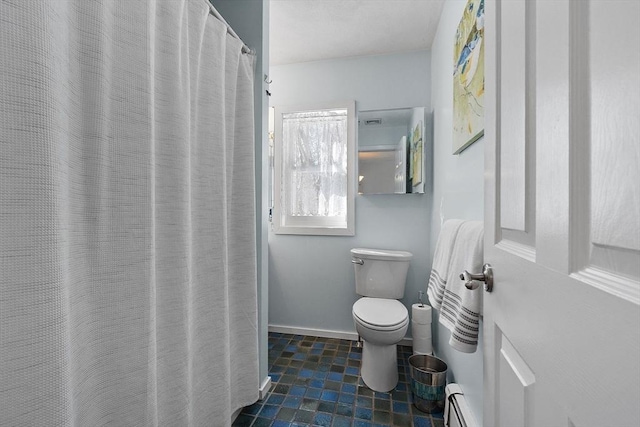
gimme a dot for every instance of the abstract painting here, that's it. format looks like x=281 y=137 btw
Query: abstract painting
x=468 y=77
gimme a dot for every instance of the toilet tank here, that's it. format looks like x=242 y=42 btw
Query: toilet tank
x=380 y=273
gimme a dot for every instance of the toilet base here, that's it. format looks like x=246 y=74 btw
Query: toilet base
x=379 y=367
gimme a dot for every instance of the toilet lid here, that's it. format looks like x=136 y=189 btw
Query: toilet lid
x=380 y=311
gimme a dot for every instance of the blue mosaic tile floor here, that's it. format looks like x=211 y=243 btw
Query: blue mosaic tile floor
x=316 y=381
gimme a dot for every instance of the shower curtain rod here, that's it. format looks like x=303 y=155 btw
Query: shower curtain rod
x=214 y=12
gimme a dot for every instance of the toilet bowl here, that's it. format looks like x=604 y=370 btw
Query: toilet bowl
x=381 y=323
x=380 y=319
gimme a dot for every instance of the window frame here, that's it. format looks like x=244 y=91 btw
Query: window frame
x=319 y=226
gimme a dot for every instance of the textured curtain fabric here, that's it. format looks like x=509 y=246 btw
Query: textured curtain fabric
x=315 y=163
x=127 y=238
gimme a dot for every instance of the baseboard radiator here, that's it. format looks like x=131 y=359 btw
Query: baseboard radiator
x=456 y=410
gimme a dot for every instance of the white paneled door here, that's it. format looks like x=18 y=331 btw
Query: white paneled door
x=562 y=214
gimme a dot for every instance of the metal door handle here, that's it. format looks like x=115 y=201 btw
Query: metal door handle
x=357 y=261
x=470 y=280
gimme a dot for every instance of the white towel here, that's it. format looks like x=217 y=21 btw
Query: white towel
x=441 y=261
x=460 y=311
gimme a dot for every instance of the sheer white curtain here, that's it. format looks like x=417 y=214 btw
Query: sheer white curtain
x=315 y=163
x=127 y=241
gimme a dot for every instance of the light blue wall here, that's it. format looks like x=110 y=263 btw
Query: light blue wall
x=250 y=20
x=458 y=192
x=311 y=283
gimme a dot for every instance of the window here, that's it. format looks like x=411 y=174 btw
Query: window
x=315 y=170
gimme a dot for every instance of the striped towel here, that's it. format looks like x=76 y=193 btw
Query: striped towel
x=460 y=311
x=441 y=260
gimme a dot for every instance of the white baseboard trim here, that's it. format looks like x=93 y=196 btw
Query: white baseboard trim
x=264 y=388
x=325 y=333
x=343 y=335
x=406 y=341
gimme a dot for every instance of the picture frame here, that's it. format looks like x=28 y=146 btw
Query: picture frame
x=468 y=77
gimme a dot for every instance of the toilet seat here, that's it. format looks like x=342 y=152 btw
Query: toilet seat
x=380 y=314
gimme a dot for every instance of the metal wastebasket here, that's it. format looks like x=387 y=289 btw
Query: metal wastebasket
x=428 y=380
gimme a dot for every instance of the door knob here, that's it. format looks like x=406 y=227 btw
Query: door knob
x=470 y=280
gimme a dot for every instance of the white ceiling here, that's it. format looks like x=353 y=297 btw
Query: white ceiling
x=311 y=30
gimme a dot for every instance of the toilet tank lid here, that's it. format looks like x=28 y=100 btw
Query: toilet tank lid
x=381 y=254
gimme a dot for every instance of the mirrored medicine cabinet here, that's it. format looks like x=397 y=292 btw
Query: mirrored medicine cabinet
x=391 y=151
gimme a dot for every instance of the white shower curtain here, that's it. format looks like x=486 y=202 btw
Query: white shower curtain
x=127 y=238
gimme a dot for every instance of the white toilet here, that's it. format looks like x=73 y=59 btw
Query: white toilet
x=381 y=320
